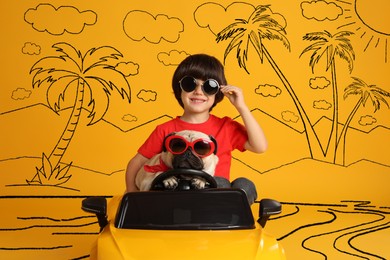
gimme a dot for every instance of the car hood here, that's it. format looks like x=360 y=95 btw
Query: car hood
x=198 y=244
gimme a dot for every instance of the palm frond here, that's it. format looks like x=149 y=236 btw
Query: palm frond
x=331 y=45
x=234 y=43
x=314 y=59
x=52 y=63
x=49 y=76
x=352 y=90
x=101 y=81
x=268 y=27
x=50 y=69
x=359 y=82
x=374 y=101
x=261 y=9
x=114 y=78
x=367 y=92
x=343 y=34
x=330 y=53
x=317 y=36
x=313 y=47
x=101 y=55
x=231 y=30
x=319 y=50
x=347 y=56
x=256 y=41
x=68 y=51
x=56 y=91
x=379 y=91
x=44 y=77
x=271 y=34
x=242 y=52
x=345 y=51
x=47 y=63
x=266 y=21
x=100 y=96
x=378 y=96
x=355 y=88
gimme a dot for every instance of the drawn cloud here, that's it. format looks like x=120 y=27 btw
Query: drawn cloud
x=268 y=90
x=20 y=93
x=319 y=83
x=290 y=116
x=153 y=29
x=31 y=49
x=205 y=15
x=322 y=104
x=127 y=68
x=147 y=95
x=320 y=10
x=129 y=118
x=57 y=21
x=174 y=57
x=367 y=120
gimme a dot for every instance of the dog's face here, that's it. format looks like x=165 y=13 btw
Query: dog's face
x=189 y=159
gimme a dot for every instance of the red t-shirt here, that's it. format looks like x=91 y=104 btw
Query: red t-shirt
x=229 y=134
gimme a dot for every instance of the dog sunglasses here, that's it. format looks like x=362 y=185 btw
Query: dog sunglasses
x=209 y=87
x=177 y=144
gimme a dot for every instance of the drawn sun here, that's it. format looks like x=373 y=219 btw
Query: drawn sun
x=371 y=21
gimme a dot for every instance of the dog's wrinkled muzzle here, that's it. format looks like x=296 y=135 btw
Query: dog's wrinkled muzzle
x=187 y=160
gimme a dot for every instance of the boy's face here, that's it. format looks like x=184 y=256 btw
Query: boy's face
x=196 y=101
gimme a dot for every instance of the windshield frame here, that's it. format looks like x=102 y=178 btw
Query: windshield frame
x=209 y=209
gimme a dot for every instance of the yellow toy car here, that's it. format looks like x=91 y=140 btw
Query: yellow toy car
x=212 y=223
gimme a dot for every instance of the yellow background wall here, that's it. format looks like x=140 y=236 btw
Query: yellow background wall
x=296 y=85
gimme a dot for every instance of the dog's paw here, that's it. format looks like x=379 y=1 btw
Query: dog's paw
x=198 y=183
x=170 y=183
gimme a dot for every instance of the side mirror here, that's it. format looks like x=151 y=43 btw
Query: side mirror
x=97 y=206
x=268 y=207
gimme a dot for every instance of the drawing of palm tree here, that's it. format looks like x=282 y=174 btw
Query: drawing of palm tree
x=90 y=79
x=259 y=26
x=365 y=92
x=329 y=46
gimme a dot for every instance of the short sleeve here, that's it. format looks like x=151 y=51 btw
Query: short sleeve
x=239 y=135
x=153 y=144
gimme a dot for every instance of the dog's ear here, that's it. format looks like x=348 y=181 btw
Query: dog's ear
x=164 y=149
x=215 y=143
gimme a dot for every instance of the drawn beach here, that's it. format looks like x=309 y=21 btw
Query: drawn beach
x=84 y=84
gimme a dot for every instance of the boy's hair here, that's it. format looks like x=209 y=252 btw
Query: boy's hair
x=200 y=66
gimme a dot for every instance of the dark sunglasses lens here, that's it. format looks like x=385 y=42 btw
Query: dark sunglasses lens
x=177 y=145
x=202 y=147
x=188 y=84
x=210 y=86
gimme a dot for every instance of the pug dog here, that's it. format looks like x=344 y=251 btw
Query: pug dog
x=186 y=149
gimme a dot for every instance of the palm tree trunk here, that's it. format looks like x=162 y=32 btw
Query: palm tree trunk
x=330 y=152
x=59 y=150
x=314 y=144
x=340 y=147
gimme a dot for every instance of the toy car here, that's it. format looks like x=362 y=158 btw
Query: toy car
x=212 y=223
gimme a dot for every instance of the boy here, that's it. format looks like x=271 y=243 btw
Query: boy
x=199 y=84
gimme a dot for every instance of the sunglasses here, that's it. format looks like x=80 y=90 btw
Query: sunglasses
x=177 y=144
x=209 y=87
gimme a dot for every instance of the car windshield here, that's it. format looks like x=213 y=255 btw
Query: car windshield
x=204 y=209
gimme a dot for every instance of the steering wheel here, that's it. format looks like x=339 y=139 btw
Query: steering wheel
x=184 y=183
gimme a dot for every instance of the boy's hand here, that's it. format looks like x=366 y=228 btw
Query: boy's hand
x=234 y=94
